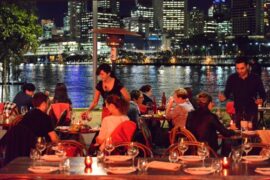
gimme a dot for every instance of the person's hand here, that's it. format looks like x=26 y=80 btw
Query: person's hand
x=259 y=101
x=85 y=114
x=171 y=100
x=221 y=97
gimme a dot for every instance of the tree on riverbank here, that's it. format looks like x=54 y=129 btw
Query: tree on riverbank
x=19 y=32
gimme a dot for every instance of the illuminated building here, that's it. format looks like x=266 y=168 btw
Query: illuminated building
x=109 y=5
x=143 y=12
x=266 y=12
x=47 y=26
x=175 y=18
x=196 y=22
x=247 y=17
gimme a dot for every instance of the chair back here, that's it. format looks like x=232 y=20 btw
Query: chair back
x=124 y=132
x=178 y=131
x=146 y=133
x=144 y=151
x=61 y=112
x=193 y=146
x=73 y=148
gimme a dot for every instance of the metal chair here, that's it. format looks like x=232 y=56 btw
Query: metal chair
x=181 y=132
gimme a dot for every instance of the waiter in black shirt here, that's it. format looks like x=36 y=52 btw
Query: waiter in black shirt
x=247 y=91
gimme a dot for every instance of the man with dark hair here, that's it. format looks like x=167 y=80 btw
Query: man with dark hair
x=147 y=93
x=24 y=97
x=134 y=111
x=37 y=119
x=246 y=90
x=204 y=124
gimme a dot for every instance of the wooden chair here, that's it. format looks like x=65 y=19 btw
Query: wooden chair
x=180 y=132
x=193 y=146
x=143 y=150
x=73 y=148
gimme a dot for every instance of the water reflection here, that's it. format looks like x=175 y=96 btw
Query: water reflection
x=78 y=79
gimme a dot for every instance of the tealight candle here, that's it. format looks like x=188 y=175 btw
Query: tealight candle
x=225 y=162
x=88 y=161
x=87 y=170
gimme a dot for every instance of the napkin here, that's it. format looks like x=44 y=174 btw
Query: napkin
x=164 y=165
x=117 y=158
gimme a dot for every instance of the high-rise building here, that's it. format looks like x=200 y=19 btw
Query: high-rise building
x=196 y=22
x=48 y=26
x=76 y=8
x=247 y=17
x=143 y=12
x=112 y=6
x=266 y=15
x=158 y=9
x=137 y=24
x=175 y=18
x=221 y=10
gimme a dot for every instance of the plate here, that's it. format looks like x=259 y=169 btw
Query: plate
x=190 y=158
x=254 y=158
x=249 y=133
x=42 y=169
x=263 y=171
x=63 y=128
x=199 y=170
x=147 y=115
x=120 y=170
x=117 y=158
x=52 y=158
x=164 y=165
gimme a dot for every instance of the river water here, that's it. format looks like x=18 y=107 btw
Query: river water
x=78 y=79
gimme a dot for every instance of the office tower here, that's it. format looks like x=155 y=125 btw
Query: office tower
x=266 y=15
x=247 y=17
x=196 y=22
x=76 y=8
x=109 y=5
x=158 y=15
x=175 y=18
x=48 y=26
x=143 y=13
x=221 y=10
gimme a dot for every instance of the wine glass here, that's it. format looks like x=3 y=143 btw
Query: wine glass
x=132 y=151
x=246 y=146
x=182 y=147
x=236 y=155
x=41 y=145
x=203 y=152
x=142 y=164
x=173 y=156
x=109 y=147
x=24 y=110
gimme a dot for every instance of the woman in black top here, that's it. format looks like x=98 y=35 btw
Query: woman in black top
x=60 y=94
x=108 y=85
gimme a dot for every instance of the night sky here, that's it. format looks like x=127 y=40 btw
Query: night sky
x=56 y=9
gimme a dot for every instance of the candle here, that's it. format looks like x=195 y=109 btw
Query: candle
x=87 y=170
x=225 y=162
x=88 y=161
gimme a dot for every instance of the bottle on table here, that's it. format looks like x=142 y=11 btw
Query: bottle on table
x=163 y=100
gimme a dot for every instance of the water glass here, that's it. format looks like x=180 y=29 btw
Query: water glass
x=236 y=155
x=133 y=151
x=109 y=147
x=173 y=156
x=217 y=165
x=34 y=154
x=142 y=164
x=64 y=165
x=41 y=144
x=182 y=147
x=246 y=146
x=100 y=156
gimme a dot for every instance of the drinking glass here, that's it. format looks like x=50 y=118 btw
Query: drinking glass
x=100 y=156
x=41 y=145
x=203 y=152
x=133 y=151
x=217 y=165
x=236 y=155
x=34 y=154
x=142 y=164
x=109 y=147
x=182 y=146
x=246 y=146
x=24 y=110
x=173 y=156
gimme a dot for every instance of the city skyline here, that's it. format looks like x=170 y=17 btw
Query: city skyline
x=55 y=10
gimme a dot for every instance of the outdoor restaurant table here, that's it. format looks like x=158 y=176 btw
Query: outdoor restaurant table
x=18 y=168
x=155 y=117
x=84 y=136
x=261 y=120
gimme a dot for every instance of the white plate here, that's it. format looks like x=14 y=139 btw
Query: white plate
x=63 y=128
x=120 y=170
x=254 y=158
x=52 y=158
x=190 y=158
x=263 y=171
x=117 y=158
x=42 y=169
x=250 y=133
x=199 y=170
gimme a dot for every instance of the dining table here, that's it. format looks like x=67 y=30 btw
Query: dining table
x=19 y=169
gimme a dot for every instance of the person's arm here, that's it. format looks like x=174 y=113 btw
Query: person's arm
x=53 y=136
x=95 y=100
x=227 y=91
x=220 y=127
x=125 y=94
x=168 y=108
x=102 y=132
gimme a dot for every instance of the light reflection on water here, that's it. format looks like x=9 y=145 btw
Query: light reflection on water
x=78 y=79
